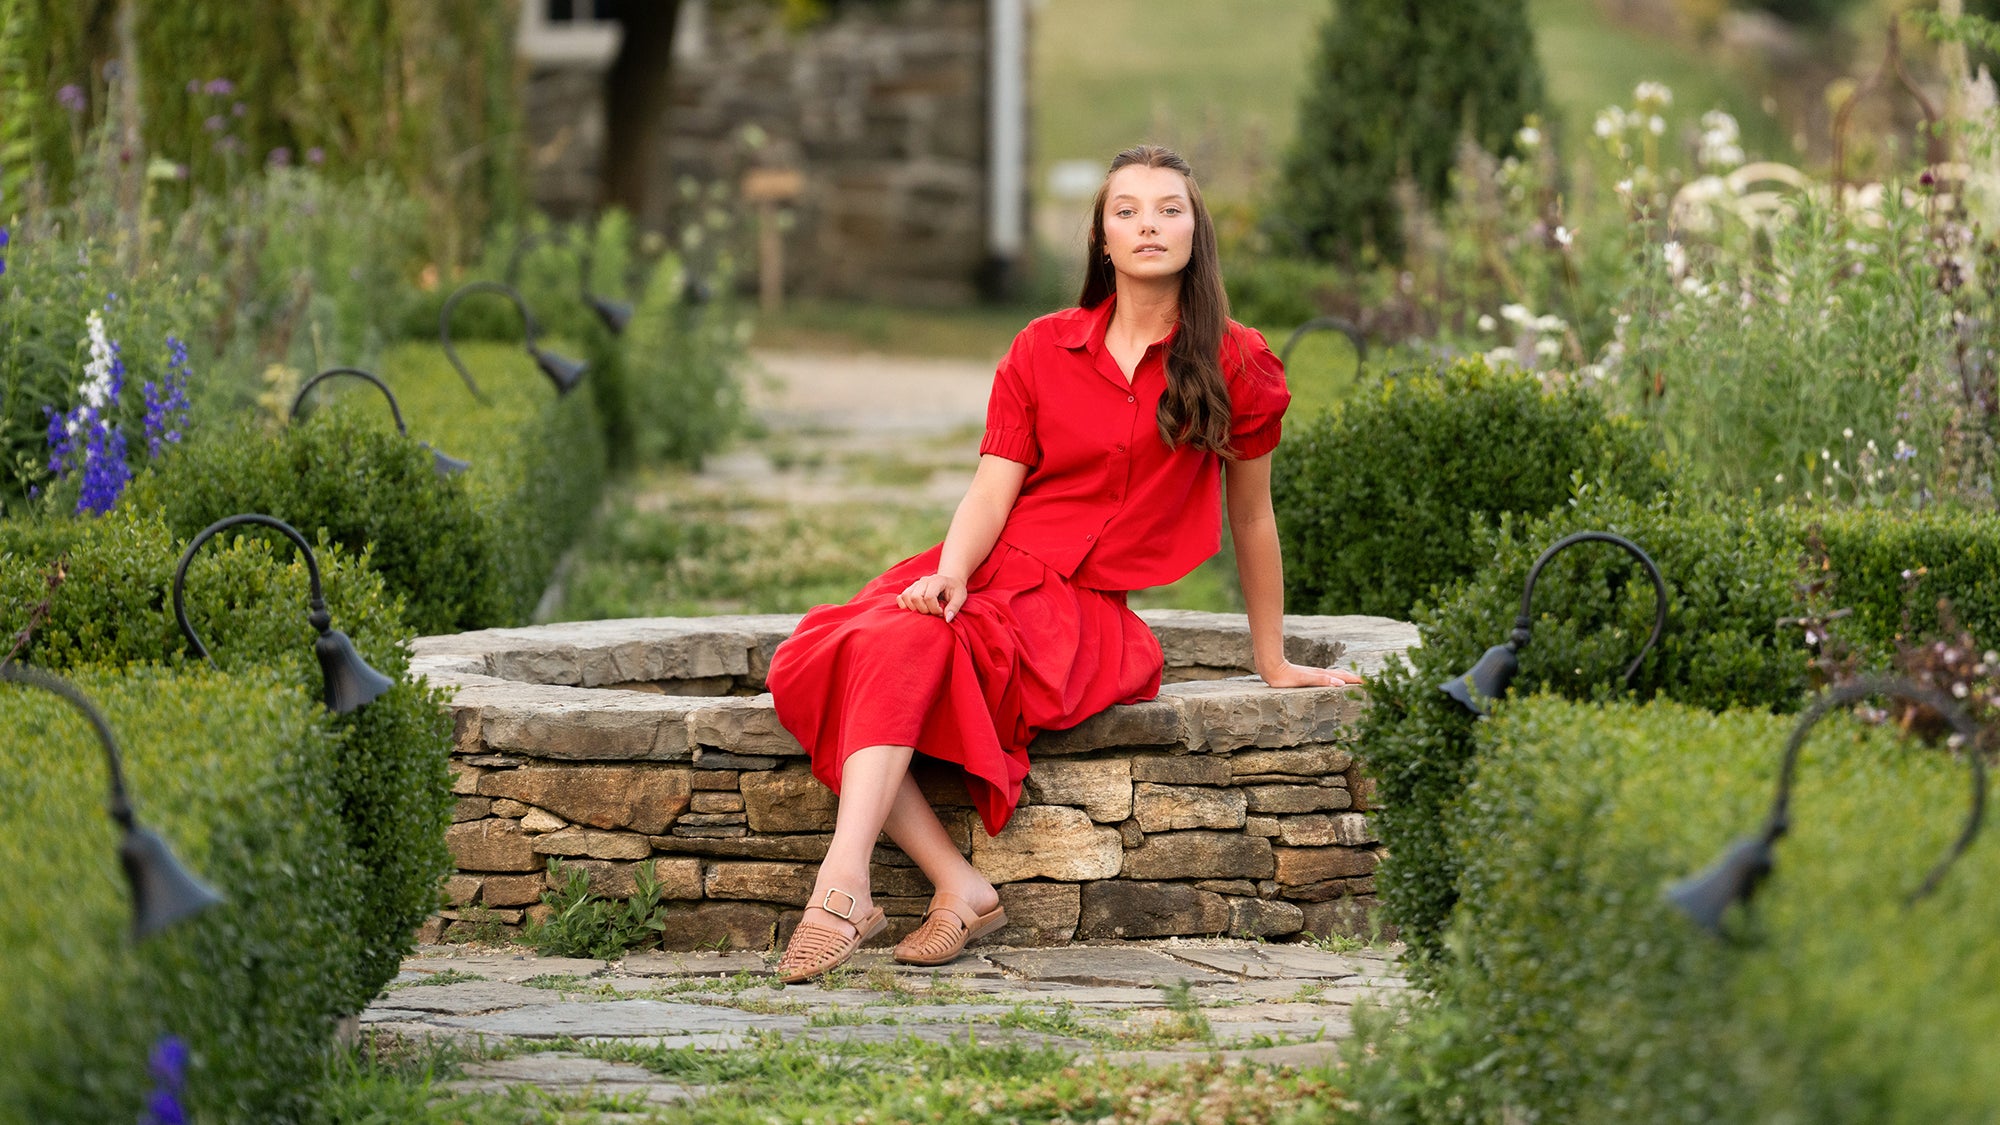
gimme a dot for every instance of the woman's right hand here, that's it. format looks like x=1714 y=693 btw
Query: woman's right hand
x=936 y=594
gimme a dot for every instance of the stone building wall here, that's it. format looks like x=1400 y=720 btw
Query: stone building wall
x=882 y=108
x=1220 y=807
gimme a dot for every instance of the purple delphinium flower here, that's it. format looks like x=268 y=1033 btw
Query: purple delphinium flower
x=315 y=155
x=85 y=439
x=3 y=245
x=105 y=474
x=70 y=97
x=220 y=87
x=280 y=157
x=215 y=123
x=166 y=401
x=168 y=1063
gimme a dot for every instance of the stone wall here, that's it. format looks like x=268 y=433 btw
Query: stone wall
x=1222 y=806
x=882 y=108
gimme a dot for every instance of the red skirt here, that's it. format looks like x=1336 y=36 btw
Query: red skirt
x=1028 y=652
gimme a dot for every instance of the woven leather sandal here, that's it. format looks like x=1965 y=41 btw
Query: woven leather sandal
x=816 y=947
x=950 y=923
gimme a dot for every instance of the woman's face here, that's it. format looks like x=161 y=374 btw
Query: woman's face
x=1148 y=222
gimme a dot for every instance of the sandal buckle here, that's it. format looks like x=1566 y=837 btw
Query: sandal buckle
x=826 y=904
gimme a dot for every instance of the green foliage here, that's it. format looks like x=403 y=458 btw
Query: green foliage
x=1818 y=369
x=538 y=461
x=1378 y=500
x=680 y=363
x=1730 y=573
x=114 y=609
x=1572 y=992
x=1893 y=568
x=361 y=484
x=239 y=774
x=585 y=925
x=1393 y=89
x=424 y=92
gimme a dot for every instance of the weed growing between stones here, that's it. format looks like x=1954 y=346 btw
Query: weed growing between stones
x=448 y=976
x=584 y=924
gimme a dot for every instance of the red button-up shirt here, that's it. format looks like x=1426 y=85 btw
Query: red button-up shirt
x=1106 y=503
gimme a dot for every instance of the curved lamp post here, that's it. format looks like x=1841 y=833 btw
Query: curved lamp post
x=1326 y=323
x=1734 y=878
x=445 y=464
x=163 y=892
x=566 y=373
x=615 y=314
x=1488 y=679
x=350 y=682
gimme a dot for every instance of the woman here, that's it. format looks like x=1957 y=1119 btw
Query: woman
x=1097 y=475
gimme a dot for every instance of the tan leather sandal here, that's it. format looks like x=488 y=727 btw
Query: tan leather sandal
x=950 y=923
x=816 y=947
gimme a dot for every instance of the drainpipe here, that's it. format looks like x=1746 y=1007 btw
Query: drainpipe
x=1007 y=146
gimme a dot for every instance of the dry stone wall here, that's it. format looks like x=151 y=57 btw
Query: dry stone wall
x=1222 y=806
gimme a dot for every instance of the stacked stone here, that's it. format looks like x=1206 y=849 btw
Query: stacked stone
x=1222 y=807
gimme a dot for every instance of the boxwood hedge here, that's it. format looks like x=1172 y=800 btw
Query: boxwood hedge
x=240 y=773
x=1379 y=500
x=1735 y=574
x=113 y=609
x=1572 y=992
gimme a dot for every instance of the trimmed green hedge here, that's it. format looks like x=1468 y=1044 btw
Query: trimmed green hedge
x=365 y=487
x=1572 y=992
x=1378 y=499
x=538 y=461
x=114 y=609
x=240 y=774
x=1733 y=572
x=1730 y=574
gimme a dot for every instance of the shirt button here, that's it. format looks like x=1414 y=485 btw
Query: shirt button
x=1088 y=537
x=1121 y=447
x=1130 y=398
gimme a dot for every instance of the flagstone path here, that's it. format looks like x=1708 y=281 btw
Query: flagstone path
x=1284 y=1005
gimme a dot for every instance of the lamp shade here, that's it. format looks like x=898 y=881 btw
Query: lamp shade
x=1486 y=681
x=615 y=314
x=163 y=892
x=445 y=464
x=1707 y=895
x=564 y=372
x=350 y=683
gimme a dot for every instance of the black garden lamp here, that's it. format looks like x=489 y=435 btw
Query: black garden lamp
x=163 y=892
x=1488 y=679
x=350 y=683
x=445 y=464
x=566 y=373
x=1706 y=897
x=1326 y=324
x=615 y=314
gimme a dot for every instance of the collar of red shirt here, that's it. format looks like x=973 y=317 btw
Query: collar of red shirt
x=1087 y=329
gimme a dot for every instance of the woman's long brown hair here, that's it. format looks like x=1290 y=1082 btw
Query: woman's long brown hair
x=1195 y=409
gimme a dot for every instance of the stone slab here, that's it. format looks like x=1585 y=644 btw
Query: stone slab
x=570 y=1074
x=467 y=997
x=505 y=966
x=654 y=963
x=621 y=1019
x=1273 y=962
x=1101 y=965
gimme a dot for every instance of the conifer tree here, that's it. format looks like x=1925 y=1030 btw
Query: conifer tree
x=1395 y=85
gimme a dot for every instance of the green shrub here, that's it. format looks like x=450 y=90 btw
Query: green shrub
x=582 y=924
x=1730 y=572
x=362 y=484
x=680 y=364
x=1391 y=91
x=1572 y=992
x=1378 y=499
x=538 y=461
x=114 y=609
x=238 y=773
x=1892 y=568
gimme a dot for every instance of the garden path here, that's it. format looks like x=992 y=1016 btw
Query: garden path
x=558 y=1023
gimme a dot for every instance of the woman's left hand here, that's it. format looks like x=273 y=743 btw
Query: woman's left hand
x=1289 y=674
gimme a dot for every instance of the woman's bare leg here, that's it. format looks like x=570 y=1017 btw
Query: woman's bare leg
x=869 y=782
x=915 y=827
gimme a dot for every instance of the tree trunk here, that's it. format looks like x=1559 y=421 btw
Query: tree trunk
x=637 y=92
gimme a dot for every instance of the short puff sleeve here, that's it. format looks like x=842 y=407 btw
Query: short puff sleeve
x=1010 y=411
x=1257 y=394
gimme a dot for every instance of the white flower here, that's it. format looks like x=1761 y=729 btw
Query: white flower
x=1656 y=125
x=1625 y=186
x=1825 y=455
x=1676 y=258
x=1516 y=314
x=1654 y=95
x=1848 y=433
x=1528 y=137
x=1547 y=348
x=96 y=387
x=1486 y=323
x=1549 y=323
x=1780 y=478
x=1564 y=236
x=1609 y=121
